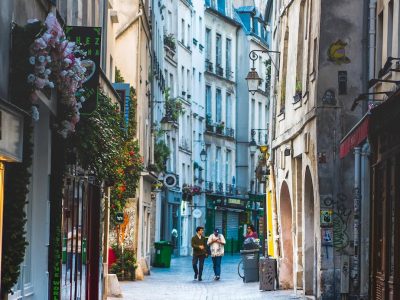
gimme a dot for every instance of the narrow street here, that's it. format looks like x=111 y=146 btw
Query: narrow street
x=177 y=283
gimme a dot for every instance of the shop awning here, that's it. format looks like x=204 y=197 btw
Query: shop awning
x=355 y=136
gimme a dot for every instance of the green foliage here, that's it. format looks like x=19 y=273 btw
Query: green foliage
x=118 y=76
x=169 y=41
x=111 y=153
x=161 y=154
x=173 y=107
x=125 y=265
x=299 y=87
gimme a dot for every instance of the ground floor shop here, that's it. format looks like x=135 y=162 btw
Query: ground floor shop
x=231 y=216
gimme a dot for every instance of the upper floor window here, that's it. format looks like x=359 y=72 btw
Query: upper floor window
x=228 y=58
x=208 y=44
x=183 y=31
x=218 y=48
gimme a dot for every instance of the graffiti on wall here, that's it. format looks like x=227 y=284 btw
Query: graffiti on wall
x=337 y=53
x=339 y=220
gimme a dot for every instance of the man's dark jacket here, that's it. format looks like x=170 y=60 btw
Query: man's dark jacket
x=196 y=242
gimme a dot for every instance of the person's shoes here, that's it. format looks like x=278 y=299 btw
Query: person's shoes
x=216 y=277
x=200 y=279
x=195 y=276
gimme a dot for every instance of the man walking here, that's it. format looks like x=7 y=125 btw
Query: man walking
x=216 y=241
x=199 y=246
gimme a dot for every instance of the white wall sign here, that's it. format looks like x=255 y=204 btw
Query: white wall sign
x=197 y=213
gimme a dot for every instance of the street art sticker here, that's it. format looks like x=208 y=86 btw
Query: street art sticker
x=326 y=217
x=337 y=53
x=329 y=97
x=327 y=236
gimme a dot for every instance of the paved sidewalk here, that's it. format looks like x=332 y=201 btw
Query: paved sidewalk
x=177 y=283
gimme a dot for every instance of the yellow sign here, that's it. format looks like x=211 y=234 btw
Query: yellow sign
x=270 y=229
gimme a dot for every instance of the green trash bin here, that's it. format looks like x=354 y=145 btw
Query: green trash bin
x=163 y=254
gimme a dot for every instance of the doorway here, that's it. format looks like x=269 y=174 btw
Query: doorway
x=286 y=267
x=309 y=236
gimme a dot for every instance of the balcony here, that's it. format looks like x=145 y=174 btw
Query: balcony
x=209 y=66
x=170 y=44
x=220 y=130
x=219 y=71
x=185 y=145
x=230 y=189
x=209 y=187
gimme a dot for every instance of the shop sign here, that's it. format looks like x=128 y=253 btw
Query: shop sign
x=326 y=217
x=89 y=40
x=11 y=135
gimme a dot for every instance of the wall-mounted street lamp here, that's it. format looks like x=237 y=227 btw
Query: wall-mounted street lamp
x=388 y=66
x=374 y=81
x=253 y=79
x=203 y=155
x=167 y=124
x=364 y=96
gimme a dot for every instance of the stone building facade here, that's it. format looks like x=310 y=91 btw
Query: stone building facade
x=321 y=66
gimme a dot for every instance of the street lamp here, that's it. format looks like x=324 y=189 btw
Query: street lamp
x=166 y=124
x=253 y=81
x=203 y=155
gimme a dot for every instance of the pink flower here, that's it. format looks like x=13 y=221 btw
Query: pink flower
x=40 y=83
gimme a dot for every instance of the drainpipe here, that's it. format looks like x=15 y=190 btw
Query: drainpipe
x=365 y=217
x=357 y=198
x=371 y=42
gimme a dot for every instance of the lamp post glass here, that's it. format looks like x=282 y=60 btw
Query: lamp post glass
x=253 y=80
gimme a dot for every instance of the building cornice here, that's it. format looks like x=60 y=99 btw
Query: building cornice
x=222 y=16
x=295 y=130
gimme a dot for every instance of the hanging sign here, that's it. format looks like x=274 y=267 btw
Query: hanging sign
x=89 y=40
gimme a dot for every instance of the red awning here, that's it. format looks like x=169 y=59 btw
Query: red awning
x=356 y=135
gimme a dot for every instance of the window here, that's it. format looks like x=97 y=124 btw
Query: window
x=228 y=111
x=379 y=42
x=111 y=68
x=228 y=167
x=218 y=102
x=169 y=22
x=208 y=163
x=314 y=61
x=171 y=85
x=260 y=123
x=188 y=82
x=208 y=44
x=208 y=101
x=173 y=155
x=284 y=73
x=200 y=30
x=218 y=52
x=183 y=32
x=389 y=29
x=300 y=46
x=253 y=113
x=218 y=165
x=188 y=36
x=228 y=58
x=182 y=79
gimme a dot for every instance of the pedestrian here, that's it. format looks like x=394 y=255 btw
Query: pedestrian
x=199 y=245
x=251 y=232
x=216 y=241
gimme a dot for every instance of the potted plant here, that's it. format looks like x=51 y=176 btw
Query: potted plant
x=220 y=127
x=298 y=91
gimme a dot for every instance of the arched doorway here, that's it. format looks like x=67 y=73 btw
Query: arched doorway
x=286 y=267
x=309 y=236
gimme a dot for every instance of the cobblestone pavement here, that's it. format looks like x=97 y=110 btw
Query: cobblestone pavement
x=177 y=283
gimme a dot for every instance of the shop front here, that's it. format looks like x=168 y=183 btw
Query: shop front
x=171 y=215
x=11 y=142
x=231 y=216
